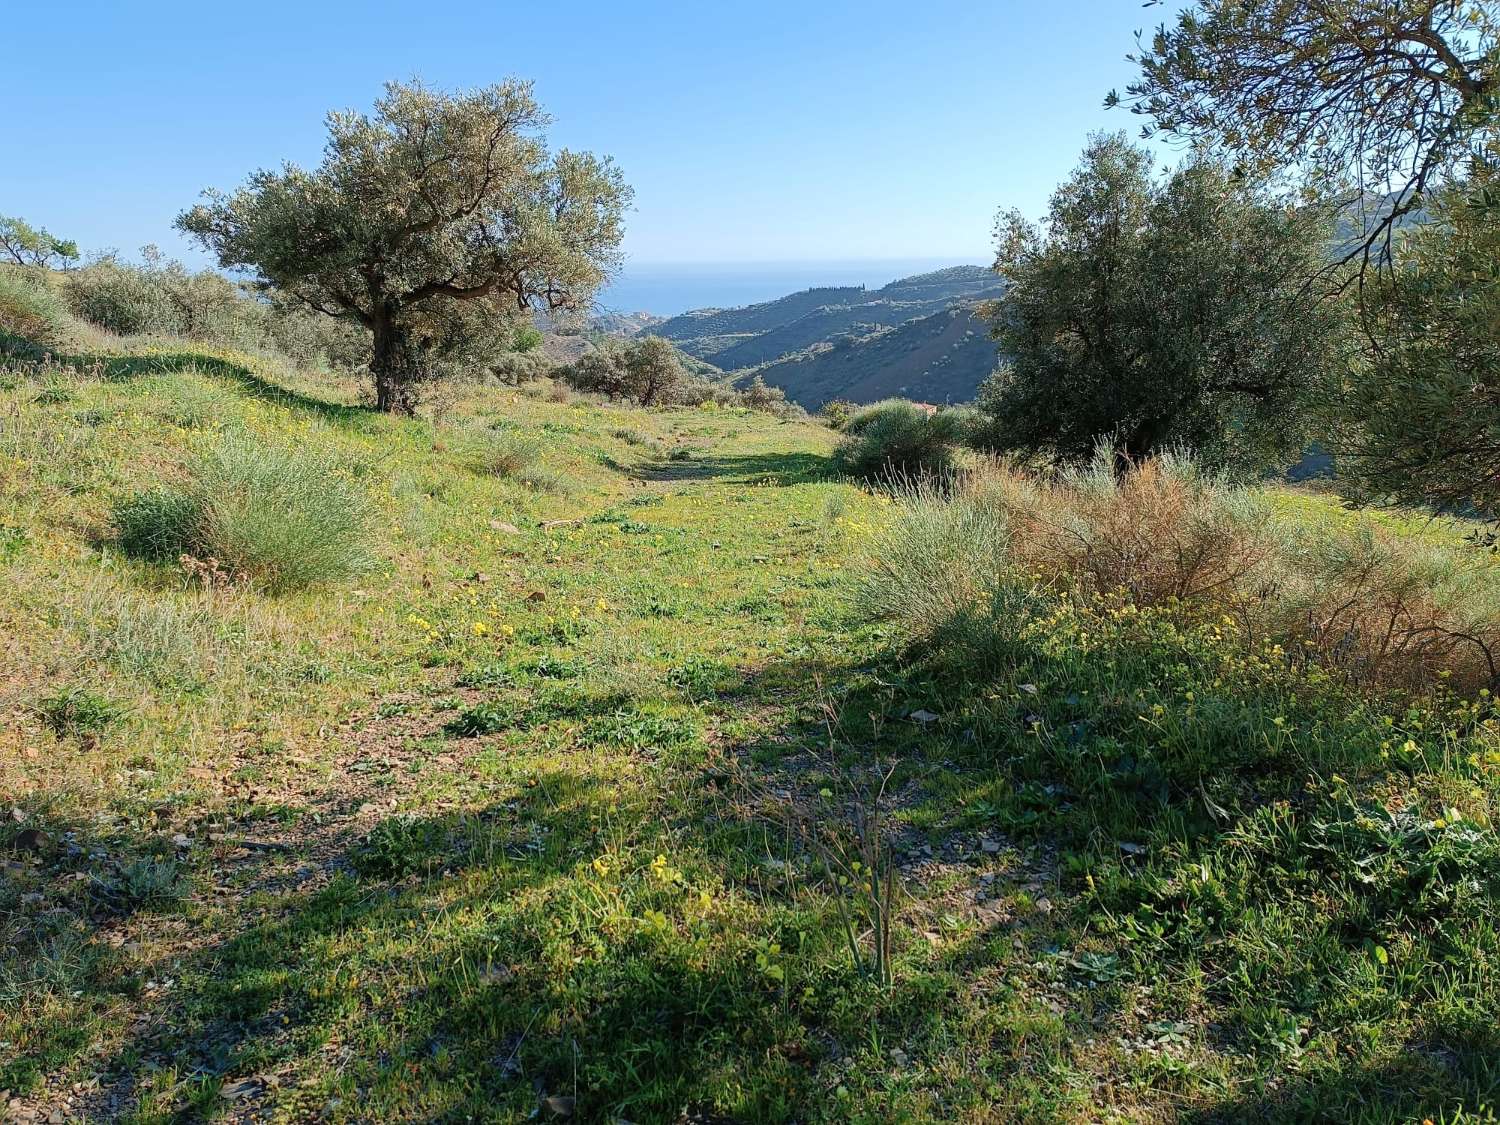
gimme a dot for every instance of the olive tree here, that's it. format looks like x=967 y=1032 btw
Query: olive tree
x=1155 y=313
x=1419 y=421
x=1385 y=96
x=437 y=218
x=26 y=245
x=646 y=370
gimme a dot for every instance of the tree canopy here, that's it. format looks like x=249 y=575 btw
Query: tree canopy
x=1420 y=420
x=437 y=218
x=1385 y=96
x=26 y=245
x=1153 y=313
x=646 y=370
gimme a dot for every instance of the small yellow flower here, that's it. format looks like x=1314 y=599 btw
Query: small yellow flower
x=601 y=605
x=481 y=629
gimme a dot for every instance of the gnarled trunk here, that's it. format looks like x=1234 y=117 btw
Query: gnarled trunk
x=395 y=367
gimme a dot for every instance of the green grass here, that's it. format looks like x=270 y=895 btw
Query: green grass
x=558 y=797
x=256 y=510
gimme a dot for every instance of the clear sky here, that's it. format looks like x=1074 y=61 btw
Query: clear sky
x=772 y=131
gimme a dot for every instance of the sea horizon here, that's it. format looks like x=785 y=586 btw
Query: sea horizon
x=670 y=288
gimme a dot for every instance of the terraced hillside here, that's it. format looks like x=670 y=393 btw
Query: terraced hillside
x=938 y=358
x=804 y=325
x=688 y=329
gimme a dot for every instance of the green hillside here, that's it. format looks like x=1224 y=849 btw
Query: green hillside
x=793 y=335
x=938 y=358
x=689 y=326
x=546 y=797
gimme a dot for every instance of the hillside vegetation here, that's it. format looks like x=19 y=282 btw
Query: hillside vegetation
x=554 y=781
x=407 y=717
x=917 y=336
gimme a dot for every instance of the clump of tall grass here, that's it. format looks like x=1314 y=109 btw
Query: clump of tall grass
x=941 y=565
x=540 y=478
x=1374 y=608
x=501 y=453
x=274 y=517
x=894 y=439
x=172 y=638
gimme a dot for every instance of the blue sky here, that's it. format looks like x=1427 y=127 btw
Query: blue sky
x=775 y=131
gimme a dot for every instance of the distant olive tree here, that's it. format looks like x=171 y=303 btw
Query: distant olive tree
x=1151 y=314
x=26 y=245
x=646 y=370
x=655 y=370
x=438 y=219
x=1389 y=96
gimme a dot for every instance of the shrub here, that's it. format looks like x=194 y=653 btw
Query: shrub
x=32 y=312
x=503 y=454
x=162 y=297
x=1161 y=531
x=759 y=396
x=278 y=518
x=836 y=413
x=893 y=439
x=1376 y=609
x=121 y=299
x=1386 y=609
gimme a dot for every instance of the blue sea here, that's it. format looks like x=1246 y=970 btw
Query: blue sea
x=668 y=288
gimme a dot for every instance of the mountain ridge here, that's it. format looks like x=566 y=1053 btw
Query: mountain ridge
x=918 y=336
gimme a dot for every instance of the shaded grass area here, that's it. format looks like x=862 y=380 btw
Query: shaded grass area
x=533 y=810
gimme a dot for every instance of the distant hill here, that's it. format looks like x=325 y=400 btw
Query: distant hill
x=939 y=358
x=850 y=341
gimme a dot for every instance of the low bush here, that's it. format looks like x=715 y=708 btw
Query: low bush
x=1375 y=609
x=1161 y=531
x=32 y=315
x=162 y=297
x=835 y=413
x=277 y=518
x=124 y=300
x=895 y=439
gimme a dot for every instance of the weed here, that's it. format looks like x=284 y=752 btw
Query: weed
x=401 y=846
x=78 y=712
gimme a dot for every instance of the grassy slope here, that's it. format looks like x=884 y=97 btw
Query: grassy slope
x=507 y=816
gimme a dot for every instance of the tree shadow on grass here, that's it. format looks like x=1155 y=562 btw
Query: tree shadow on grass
x=752 y=468
x=479 y=963
x=123 y=368
x=472 y=962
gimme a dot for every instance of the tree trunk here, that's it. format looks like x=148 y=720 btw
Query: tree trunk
x=395 y=369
